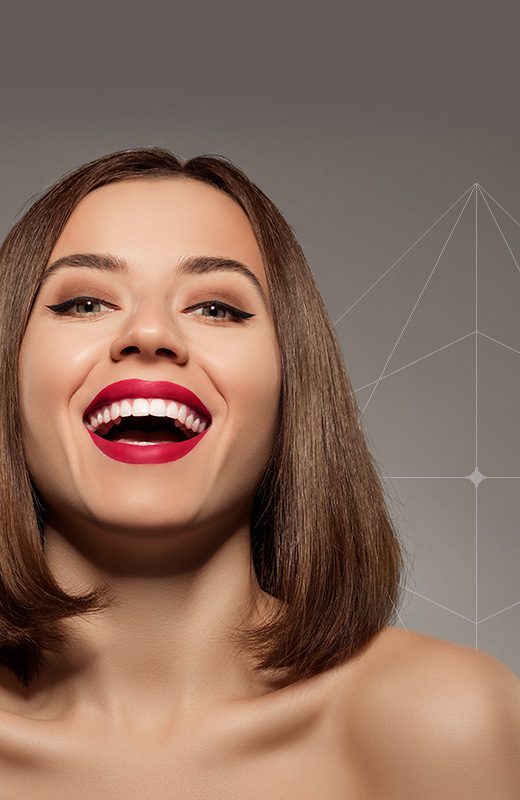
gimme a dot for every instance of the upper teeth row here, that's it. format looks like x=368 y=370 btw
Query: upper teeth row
x=155 y=407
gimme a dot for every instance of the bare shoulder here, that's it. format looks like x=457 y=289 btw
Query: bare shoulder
x=432 y=719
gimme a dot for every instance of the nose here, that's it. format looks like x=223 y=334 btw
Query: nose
x=150 y=331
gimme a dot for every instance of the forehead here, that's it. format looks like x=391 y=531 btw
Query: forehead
x=163 y=218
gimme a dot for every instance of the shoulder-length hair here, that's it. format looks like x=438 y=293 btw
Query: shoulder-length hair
x=322 y=539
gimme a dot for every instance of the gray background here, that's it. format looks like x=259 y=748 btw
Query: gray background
x=364 y=125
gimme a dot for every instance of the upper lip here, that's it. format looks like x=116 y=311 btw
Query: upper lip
x=141 y=388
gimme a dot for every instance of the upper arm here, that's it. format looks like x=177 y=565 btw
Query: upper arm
x=448 y=727
x=483 y=759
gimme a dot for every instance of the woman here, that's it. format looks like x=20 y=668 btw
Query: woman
x=198 y=568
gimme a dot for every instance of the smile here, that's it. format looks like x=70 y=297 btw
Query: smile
x=129 y=426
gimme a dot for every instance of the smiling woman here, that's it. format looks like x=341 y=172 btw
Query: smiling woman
x=296 y=536
x=194 y=535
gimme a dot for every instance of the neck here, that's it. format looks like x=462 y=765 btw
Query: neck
x=164 y=646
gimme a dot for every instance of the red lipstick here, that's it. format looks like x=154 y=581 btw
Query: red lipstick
x=150 y=453
x=139 y=388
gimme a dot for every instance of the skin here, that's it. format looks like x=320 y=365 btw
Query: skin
x=150 y=699
x=172 y=540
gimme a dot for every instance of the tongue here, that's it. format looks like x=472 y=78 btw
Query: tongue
x=146 y=436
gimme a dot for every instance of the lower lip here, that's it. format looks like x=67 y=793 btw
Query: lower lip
x=147 y=453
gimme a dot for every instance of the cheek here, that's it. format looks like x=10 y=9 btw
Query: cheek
x=43 y=378
x=50 y=367
x=254 y=390
x=34 y=401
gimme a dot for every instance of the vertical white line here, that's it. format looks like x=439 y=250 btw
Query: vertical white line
x=476 y=414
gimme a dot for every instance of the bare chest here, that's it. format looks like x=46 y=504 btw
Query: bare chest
x=302 y=773
x=298 y=756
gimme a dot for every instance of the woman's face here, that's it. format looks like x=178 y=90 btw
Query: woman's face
x=147 y=323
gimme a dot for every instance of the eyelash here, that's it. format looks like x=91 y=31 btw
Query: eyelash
x=236 y=314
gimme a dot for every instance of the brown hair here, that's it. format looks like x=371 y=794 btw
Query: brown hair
x=322 y=540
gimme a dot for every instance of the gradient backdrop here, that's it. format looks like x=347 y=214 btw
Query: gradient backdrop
x=388 y=135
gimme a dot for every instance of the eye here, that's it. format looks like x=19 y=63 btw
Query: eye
x=234 y=314
x=213 y=305
x=63 y=308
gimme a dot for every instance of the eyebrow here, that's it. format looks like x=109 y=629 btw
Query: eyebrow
x=189 y=265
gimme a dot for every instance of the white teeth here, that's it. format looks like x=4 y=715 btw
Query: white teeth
x=158 y=408
x=141 y=408
x=184 y=417
x=172 y=410
x=125 y=408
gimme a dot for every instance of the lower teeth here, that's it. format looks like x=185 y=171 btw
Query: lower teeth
x=129 y=441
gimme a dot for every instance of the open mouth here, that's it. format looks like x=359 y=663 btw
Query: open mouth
x=132 y=429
